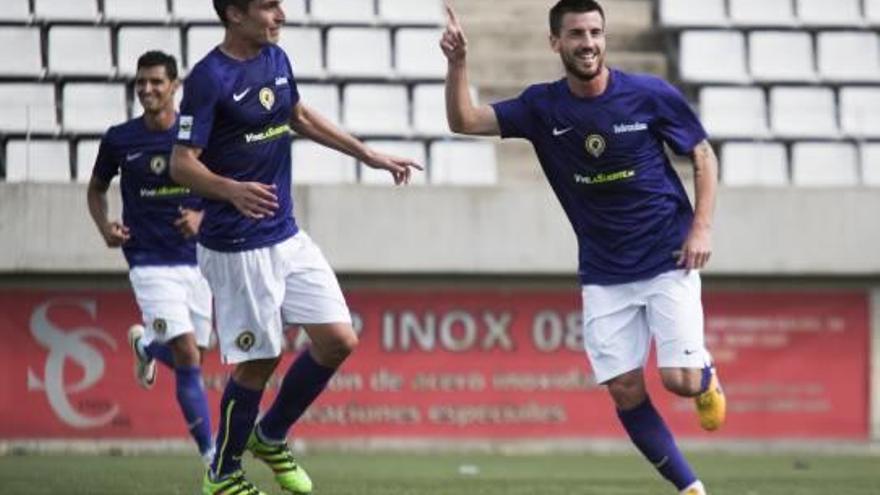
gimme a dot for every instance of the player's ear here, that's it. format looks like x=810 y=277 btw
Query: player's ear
x=233 y=14
x=554 y=42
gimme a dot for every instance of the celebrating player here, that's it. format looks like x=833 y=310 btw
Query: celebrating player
x=159 y=222
x=599 y=134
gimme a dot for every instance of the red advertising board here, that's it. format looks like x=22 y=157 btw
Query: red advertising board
x=450 y=364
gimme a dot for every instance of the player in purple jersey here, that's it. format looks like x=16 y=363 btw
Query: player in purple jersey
x=159 y=222
x=233 y=148
x=599 y=134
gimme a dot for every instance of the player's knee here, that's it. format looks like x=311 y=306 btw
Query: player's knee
x=684 y=384
x=628 y=391
x=185 y=351
x=344 y=346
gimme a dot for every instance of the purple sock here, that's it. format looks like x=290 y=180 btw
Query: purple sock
x=303 y=382
x=194 y=405
x=706 y=378
x=654 y=440
x=238 y=412
x=160 y=352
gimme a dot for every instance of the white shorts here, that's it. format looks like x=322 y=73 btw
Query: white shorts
x=621 y=320
x=174 y=300
x=257 y=291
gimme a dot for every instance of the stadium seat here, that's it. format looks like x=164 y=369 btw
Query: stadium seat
x=37 y=160
x=687 y=13
x=414 y=150
x=429 y=109
x=799 y=112
x=848 y=56
x=343 y=11
x=762 y=13
x=295 y=10
x=303 y=47
x=16 y=11
x=376 y=109
x=135 y=40
x=713 y=57
x=860 y=111
x=781 y=56
x=824 y=164
x=80 y=50
x=86 y=153
x=821 y=13
x=872 y=12
x=754 y=164
x=28 y=107
x=66 y=10
x=26 y=59
x=871 y=164
x=199 y=41
x=464 y=163
x=316 y=164
x=324 y=98
x=136 y=10
x=343 y=60
x=417 y=54
x=412 y=11
x=189 y=11
x=731 y=112
x=93 y=107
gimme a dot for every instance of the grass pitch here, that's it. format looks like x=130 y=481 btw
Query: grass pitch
x=401 y=474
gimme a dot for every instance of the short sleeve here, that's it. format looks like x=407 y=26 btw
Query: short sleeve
x=515 y=117
x=294 y=89
x=107 y=163
x=677 y=124
x=200 y=96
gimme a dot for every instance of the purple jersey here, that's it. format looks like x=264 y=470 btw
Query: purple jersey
x=238 y=113
x=604 y=158
x=150 y=199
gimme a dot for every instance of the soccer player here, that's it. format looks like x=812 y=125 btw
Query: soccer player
x=599 y=134
x=159 y=222
x=233 y=148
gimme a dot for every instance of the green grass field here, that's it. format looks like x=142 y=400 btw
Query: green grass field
x=399 y=474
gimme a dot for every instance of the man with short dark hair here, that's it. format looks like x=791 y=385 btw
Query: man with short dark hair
x=157 y=235
x=599 y=134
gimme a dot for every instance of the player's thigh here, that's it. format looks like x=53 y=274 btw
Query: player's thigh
x=615 y=342
x=200 y=303
x=675 y=318
x=161 y=293
x=312 y=295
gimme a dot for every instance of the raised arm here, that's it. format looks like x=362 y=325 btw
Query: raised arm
x=698 y=247
x=461 y=113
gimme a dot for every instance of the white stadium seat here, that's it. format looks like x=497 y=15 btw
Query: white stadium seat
x=824 y=164
x=821 y=13
x=190 y=11
x=135 y=40
x=303 y=48
x=343 y=11
x=872 y=12
x=464 y=163
x=28 y=107
x=414 y=150
x=136 y=10
x=871 y=164
x=346 y=56
x=801 y=112
x=80 y=50
x=86 y=153
x=37 y=160
x=93 y=107
x=763 y=13
x=417 y=54
x=730 y=112
x=16 y=11
x=683 y=13
x=849 y=56
x=754 y=164
x=316 y=164
x=785 y=56
x=376 y=109
x=412 y=11
x=66 y=10
x=26 y=58
x=860 y=111
x=199 y=41
x=713 y=56
x=324 y=98
x=429 y=110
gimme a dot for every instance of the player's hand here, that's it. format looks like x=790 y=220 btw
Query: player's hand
x=400 y=168
x=696 y=250
x=115 y=234
x=453 y=42
x=188 y=222
x=254 y=199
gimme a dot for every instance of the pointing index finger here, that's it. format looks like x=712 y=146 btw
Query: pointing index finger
x=450 y=13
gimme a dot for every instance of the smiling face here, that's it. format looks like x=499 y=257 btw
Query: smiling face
x=580 y=44
x=261 y=23
x=154 y=89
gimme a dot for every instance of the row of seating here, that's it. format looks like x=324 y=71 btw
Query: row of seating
x=90 y=108
x=87 y=51
x=776 y=13
x=464 y=163
x=185 y=11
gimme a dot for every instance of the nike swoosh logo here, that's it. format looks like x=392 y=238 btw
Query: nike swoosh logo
x=662 y=462
x=132 y=157
x=559 y=132
x=689 y=351
x=239 y=96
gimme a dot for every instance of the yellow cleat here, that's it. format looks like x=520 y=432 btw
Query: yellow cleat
x=696 y=488
x=712 y=405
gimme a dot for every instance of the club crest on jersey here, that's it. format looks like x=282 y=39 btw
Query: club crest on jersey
x=267 y=98
x=158 y=164
x=245 y=340
x=595 y=145
x=160 y=326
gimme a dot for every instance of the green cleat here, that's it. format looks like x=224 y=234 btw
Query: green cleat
x=278 y=457
x=234 y=484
